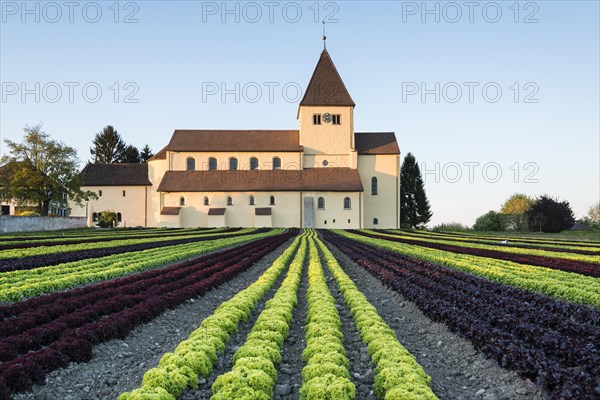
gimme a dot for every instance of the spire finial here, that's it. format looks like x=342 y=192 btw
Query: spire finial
x=324 y=37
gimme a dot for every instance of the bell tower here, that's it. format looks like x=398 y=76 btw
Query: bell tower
x=326 y=119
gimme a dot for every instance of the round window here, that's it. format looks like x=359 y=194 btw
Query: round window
x=325 y=163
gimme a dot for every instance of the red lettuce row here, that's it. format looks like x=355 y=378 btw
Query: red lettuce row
x=552 y=342
x=70 y=338
x=45 y=260
x=580 y=267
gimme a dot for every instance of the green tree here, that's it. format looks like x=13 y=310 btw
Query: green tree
x=514 y=211
x=131 y=154
x=414 y=205
x=107 y=219
x=550 y=215
x=594 y=214
x=489 y=222
x=39 y=171
x=146 y=153
x=108 y=146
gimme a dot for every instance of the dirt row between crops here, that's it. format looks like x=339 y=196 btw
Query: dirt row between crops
x=119 y=365
x=457 y=370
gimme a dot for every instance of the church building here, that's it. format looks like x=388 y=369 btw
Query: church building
x=322 y=175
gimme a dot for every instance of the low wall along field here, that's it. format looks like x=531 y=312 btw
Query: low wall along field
x=26 y=224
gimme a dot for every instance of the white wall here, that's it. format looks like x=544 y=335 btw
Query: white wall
x=132 y=206
x=385 y=206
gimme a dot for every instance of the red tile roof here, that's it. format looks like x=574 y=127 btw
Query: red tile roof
x=116 y=175
x=376 y=143
x=314 y=179
x=326 y=87
x=161 y=155
x=262 y=211
x=227 y=140
x=170 y=211
x=216 y=211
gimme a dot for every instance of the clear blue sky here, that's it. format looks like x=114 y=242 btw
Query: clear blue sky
x=172 y=55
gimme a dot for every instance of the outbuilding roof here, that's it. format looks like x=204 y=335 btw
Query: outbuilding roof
x=216 y=211
x=116 y=175
x=170 y=211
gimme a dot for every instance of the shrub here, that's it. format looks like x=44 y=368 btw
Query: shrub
x=107 y=219
x=489 y=222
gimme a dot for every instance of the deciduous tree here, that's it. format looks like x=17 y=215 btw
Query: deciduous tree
x=550 y=215
x=489 y=222
x=514 y=211
x=39 y=171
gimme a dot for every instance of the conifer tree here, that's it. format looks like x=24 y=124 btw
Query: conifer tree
x=108 y=146
x=146 y=153
x=414 y=205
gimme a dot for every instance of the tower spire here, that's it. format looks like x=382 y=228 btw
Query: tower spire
x=324 y=37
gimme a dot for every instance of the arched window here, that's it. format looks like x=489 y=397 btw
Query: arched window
x=229 y=201
x=95 y=217
x=119 y=217
x=272 y=201
x=347 y=203
x=182 y=201
x=190 y=164
x=321 y=203
x=233 y=163
x=374 y=186
x=206 y=200
x=375 y=221
x=212 y=164
x=251 y=200
x=276 y=163
x=253 y=163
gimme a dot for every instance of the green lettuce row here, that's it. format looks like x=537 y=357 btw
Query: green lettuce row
x=398 y=376
x=489 y=240
x=516 y=237
x=253 y=375
x=196 y=355
x=17 y=285
x=505 y=249
x=43 y=250
x=563 y=285
x=325 y=375
x=135 y=234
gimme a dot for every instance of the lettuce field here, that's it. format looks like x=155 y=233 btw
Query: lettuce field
x=165 y=314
